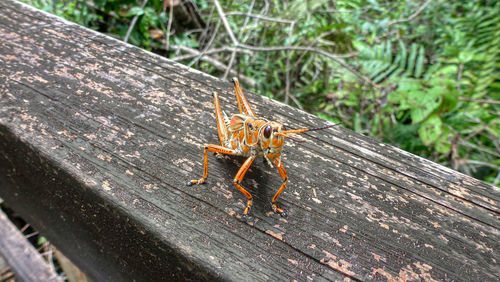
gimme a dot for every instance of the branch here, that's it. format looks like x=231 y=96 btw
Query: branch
x=259 y=17
x=213 y=51
x=497 y=102
x=334 y=57
x=287 y=74
x=226 y=24
x=134 y=21
x=217 y=64
x=233 y=54
x=414 y=15
x=169 y=26
x=229 y=65
x=247 y=18
x=208 y=45
x=480 y=163
x=473 y=146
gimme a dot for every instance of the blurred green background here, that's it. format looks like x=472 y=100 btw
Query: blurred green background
x=421 y=75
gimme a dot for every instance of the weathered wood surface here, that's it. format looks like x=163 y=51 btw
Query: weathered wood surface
x=98 y=139
x=21 y=256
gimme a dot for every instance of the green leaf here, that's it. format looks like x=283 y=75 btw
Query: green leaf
x=135 y=11
x=442 y=145
x=424 y=103
x=357 y=123
x=41 y=240
x=450 y=70
x=430 y=130
x=411 y=59
x=420 y=62
x=449 y=99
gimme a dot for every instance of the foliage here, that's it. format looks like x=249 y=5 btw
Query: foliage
x=435 y=64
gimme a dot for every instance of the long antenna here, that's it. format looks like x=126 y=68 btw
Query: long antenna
x=307 y=129
x=324 y=127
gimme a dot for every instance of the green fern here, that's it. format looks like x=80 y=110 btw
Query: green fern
x=477 y=49
x=384 y=61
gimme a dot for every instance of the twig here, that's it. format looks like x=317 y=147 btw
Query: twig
x=24 y=228
x=497 y=180
x=217 y=64
x=459 y=76
x=479 y=100
x=207 y=46
x=246 y=19
x=224 y=21
x=414 y=15
x=334 y=57
x=287 y=73
x=233 y=54
x=262 y=12
x=169 y=25
x=259 y=17
x=31 y=235
x=327 y=11
x=4 y=270
x=229 y=65
x=296 y=102
x=212 y=51
x=204 y=33
x=483 y=164
x=134 y=21
x=473 y=146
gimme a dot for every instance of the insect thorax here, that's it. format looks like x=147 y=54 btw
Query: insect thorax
x=246 y=137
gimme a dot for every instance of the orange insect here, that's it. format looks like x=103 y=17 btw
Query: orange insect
x=246 y=135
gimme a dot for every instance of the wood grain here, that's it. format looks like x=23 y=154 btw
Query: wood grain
x=21 y=256
x=99 y=138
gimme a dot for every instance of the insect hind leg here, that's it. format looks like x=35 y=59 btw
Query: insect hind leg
x=221 y=123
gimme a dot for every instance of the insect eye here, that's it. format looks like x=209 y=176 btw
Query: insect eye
x=267 y=131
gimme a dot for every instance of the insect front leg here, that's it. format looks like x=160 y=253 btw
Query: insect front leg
x=284 y=176
x=211 y=148
x=237 y=180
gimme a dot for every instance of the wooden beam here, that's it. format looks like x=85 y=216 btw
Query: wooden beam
x=21 y=256
x=100 y=137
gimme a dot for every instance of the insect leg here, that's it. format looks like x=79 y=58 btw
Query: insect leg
x=211 y=148
x=243 y=104
x=284 y=176
x=237 y=180
x=221 y=125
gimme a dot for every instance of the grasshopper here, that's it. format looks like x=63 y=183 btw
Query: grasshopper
x=247 y=135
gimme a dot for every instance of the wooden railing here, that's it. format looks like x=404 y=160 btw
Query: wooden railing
x=98 y=139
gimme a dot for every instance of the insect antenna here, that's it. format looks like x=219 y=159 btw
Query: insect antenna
x=324 y=127
x=284 y=133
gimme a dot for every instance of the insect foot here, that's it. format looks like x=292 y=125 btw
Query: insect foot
x=279 y=211
x=193 y=182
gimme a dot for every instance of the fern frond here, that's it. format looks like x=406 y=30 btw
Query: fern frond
x=384 y=61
